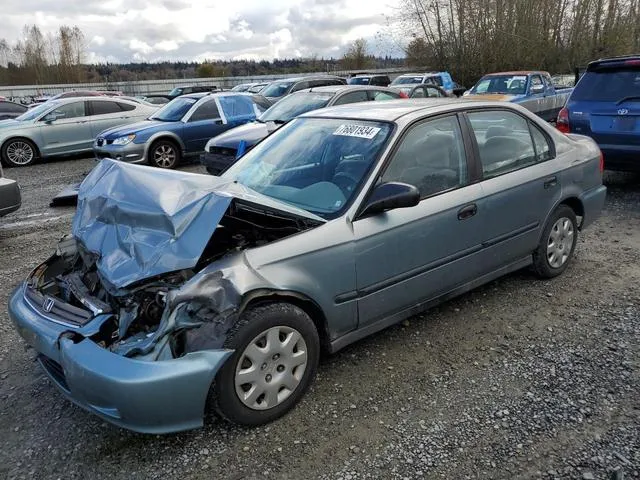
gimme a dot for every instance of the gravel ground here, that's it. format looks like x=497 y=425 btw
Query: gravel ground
x=519 y=379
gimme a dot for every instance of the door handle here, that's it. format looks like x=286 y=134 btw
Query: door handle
x=550 y=182
x=467 y=211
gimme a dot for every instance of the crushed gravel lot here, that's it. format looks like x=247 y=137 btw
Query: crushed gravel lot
x=521 y=378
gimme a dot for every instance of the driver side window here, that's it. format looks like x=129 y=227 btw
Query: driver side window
x=70 y=110
x=206 y=111
x=431 y=157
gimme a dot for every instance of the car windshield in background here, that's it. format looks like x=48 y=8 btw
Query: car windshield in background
x=359 y=81
x=316 y=164
x=175 y=92
x=505 y=84
x=174 y=110
x=609 y=85
x=294 y=105
x=406 y=80
x=35 y=112
x=277 y=89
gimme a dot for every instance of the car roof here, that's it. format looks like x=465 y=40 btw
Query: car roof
x=392 y=110
x=339 y=88
x=515 y=72
x=308 y=77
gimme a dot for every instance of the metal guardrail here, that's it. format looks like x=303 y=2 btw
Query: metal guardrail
x=164 y=86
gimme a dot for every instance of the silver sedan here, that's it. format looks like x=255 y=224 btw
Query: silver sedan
x=64 y=127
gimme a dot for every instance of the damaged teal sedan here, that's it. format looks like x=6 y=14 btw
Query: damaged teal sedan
x=179 y=294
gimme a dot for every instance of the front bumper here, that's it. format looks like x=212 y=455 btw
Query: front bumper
x=131 y=153
x=144 y=396
x=10 y=197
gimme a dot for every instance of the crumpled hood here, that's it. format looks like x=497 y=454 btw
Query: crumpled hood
x=142 y=221
x=497 y=97
x=251 y=133
x=136 y=128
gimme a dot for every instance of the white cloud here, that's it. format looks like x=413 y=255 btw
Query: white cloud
x=148 y=30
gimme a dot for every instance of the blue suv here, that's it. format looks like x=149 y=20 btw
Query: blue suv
x=605 y=105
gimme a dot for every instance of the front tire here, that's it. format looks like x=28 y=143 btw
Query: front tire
x=19 y=152
x=557 y=244
x=276 y=354
x=164 y=154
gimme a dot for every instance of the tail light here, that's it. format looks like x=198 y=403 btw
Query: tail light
x=562 y=123
x=403 y=95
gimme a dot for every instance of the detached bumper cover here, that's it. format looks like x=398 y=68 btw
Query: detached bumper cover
x=10 y=197
x=144 y=396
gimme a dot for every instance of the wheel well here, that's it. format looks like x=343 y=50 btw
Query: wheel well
x=310 y=307
x=37 y=151
x=576 y=205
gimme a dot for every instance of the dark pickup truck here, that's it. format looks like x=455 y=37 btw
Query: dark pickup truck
x=533 y=90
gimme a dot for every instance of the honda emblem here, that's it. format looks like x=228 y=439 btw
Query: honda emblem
x=48 y=304
x=623 y=111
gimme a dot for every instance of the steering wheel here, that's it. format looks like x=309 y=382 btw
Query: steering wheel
x=345 y=182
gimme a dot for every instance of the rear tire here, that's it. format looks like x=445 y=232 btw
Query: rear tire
x=19 y=152
x=164 y=154
x=276 y=355
x=558 y=241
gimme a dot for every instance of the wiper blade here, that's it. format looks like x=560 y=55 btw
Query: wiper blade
x=631 y=97
x=279 y=122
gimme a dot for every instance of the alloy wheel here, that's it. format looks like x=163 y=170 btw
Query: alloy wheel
x=164 y=156
x=20 y=153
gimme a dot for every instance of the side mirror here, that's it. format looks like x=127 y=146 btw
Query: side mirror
x=389 y=196
x=50 y=117
x=537 y=88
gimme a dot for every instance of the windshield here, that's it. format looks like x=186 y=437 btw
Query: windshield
x=316 y=164
x=276 y=89
x=609 y=85
x=509 y=84
x=176 y=92
x=294 y=105
x=241 y=88
x=406 y=80
x=359 y=81
x=174 y=110
x=35 y=112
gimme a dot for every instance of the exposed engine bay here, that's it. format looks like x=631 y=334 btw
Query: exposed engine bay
x=168 y=308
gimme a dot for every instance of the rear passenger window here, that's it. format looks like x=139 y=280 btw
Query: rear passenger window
x=504 y=141
x=431 y=157
x=353 y=97
x=125 y=107
x=104 y=108
x=379 y=95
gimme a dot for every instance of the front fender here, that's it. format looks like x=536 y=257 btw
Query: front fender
x=163 y=134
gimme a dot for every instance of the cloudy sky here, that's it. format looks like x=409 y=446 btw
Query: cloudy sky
x=152 y=30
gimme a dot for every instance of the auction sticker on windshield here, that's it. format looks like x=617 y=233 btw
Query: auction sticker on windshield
x=360 y=131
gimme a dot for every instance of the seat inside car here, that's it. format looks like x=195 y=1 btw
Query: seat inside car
x=430 y=164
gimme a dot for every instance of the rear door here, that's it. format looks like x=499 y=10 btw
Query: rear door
x=105 y=114
x=69 y=133
x=606 y=106
x=521 y=181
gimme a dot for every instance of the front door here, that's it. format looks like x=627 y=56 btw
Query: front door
x=204 y=123
x=70 y=132
x=411 y=255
